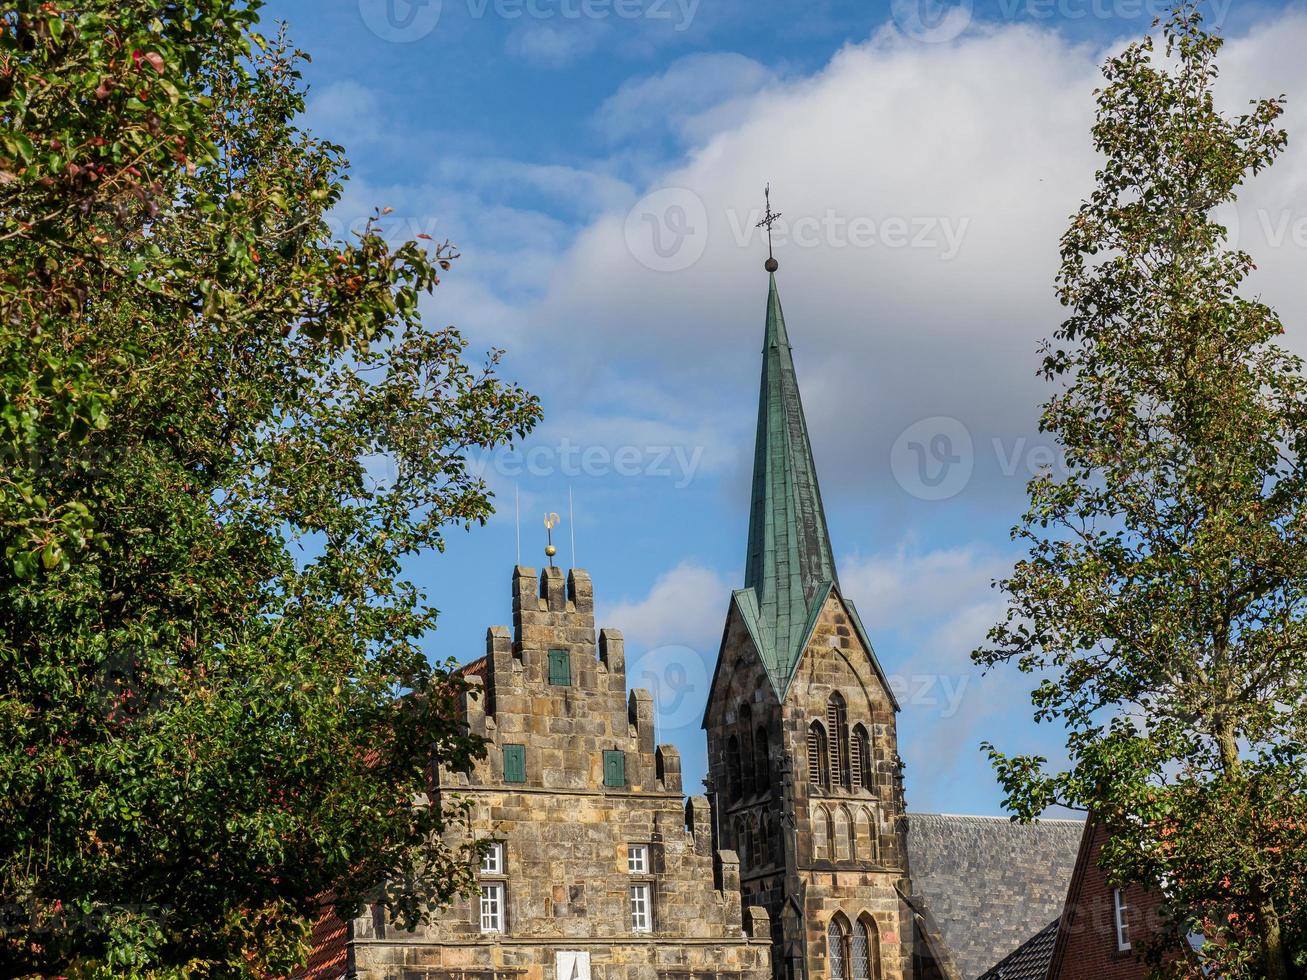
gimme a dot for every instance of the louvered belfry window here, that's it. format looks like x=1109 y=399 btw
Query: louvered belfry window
x=818 y=765
x=837 y=725
x=860 y=759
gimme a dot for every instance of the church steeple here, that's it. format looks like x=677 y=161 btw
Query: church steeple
x=790 y=567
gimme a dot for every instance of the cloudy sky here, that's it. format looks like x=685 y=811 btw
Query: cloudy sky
x=600 y=163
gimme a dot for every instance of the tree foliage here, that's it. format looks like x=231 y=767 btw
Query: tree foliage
x=223 y=434
x=1163 y=600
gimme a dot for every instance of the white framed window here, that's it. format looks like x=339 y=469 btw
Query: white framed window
x=492 y=863
x=1119 y=909
x=492 y=906
x=637 y=859
x=642 y=907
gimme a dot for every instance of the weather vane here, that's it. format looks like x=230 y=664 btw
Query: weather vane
x=768 y=219
x=551 y=521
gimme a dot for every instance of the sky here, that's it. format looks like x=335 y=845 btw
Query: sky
x=600 y=164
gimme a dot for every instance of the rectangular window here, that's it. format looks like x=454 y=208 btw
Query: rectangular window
x=493 y=862
x=1122 y=923
x=614 y=769
x=514 y=764
x=637 y=859
x=641 y=908
x=560 y=668
x=492 y=907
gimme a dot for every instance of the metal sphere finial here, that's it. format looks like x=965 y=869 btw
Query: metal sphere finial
x=771 y=265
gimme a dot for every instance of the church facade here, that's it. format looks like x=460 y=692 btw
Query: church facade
x=797 y=862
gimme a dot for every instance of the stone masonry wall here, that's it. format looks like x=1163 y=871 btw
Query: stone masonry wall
x=565 y=833
x=846 y=855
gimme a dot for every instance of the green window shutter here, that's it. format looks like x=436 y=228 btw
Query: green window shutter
x=615 y=769
x=514 y=764
x=560 y=668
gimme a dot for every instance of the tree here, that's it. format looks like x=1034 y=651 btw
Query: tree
x=224 y=433
x=1162 y=601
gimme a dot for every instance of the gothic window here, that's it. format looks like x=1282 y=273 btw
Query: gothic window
x=742 y=841
x=766 y=843
x=761 y=761
x=860 y=771
x=746 y=750
x=864 y=834
x=837 y=725
x=755 y=851
x=733 y=785
x=840 y=850
x=866 y=950
x=818 y=757
x=837 y=948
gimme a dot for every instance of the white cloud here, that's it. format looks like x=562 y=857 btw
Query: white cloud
x=686 y=606
x=908 y=589
x=957 y=166
x=692 y=97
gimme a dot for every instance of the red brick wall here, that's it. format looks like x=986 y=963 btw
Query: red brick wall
x=1087 y=941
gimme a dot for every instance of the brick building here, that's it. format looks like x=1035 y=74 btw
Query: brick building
x=1104 y=928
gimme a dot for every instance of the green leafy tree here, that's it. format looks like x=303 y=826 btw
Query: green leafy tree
x=1163 y=599
x=224 y=432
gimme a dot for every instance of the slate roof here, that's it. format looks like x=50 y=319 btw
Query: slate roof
x=990 y=884
x=1030 y=960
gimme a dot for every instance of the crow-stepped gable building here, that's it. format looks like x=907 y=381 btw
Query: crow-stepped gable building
x=598 y=867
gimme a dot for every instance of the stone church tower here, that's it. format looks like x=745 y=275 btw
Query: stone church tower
x=802 y=750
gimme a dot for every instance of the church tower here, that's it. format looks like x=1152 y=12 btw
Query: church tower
x=802 y=748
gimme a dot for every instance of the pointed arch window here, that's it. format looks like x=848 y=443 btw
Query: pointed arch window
x=837 y=725
x=842 y=842
x=818 y=756
x=733 y=787
x=866 y=950
x=864 y=836
x=746 y=750
x=761 y=761
x=837 y=949
x=860 y=772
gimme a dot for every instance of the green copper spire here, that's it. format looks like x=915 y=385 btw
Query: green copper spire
x=790 y=568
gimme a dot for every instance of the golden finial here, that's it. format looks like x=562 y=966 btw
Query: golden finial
x=551 y=521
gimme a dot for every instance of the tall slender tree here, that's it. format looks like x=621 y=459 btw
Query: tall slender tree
x=224 y=433
x=1163 y=603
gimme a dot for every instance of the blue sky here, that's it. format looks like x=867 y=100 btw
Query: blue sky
x=600 y=164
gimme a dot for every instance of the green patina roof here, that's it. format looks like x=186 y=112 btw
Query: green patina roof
x=790 y=568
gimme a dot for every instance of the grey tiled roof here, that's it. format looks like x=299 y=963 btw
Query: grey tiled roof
x=1030 y=960
x=990 y=884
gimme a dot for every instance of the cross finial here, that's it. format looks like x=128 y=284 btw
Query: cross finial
x=768 y=219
